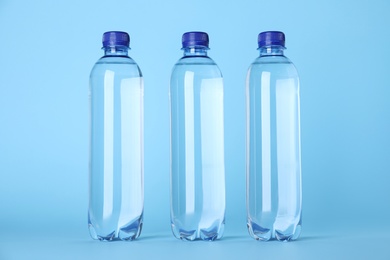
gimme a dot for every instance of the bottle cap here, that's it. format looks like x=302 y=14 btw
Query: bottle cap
x=115 y=38
x=271 y=38
x=192 y=39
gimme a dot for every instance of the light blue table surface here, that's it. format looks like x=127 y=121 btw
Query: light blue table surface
x=340 y=243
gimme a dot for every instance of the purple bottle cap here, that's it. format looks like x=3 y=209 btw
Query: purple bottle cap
x=115 y=38
x=271 y=38
x=192 y=39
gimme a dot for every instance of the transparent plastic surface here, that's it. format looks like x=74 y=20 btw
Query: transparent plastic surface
x=273 y=164
x=116 y=149
x=197 y=149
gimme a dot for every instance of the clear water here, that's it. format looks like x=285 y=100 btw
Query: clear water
x=274 y=197
x=197 y=150
x=116 y=150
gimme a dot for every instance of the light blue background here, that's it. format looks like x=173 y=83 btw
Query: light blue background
x=341 y=50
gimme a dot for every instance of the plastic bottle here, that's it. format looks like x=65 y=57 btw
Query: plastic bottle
x=273 y=166
x=116 y=144
x=197 y=143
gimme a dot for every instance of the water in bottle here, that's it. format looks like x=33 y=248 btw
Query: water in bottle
x=273 y=168
x=197 y=143
x=116 y=144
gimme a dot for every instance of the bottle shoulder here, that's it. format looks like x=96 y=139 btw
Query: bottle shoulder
x=116 y=60
x=195 y=60
x=123 y=65
x=278 y=66
x=202 y=66
x=272 y=59
x=272 y=62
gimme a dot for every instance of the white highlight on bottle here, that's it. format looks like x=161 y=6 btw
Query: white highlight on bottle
x=287 y=153
x=212 y=140
x=266 y=140
x=189 y=141
x=131 y=96
x=108 y=182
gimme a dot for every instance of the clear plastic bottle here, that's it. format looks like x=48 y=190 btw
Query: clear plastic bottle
x=273 y=165
x=197 y=143
x=116 y=146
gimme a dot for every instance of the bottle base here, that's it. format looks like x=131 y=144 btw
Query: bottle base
x=265 y=234
x=211 y=233
x=127 y=232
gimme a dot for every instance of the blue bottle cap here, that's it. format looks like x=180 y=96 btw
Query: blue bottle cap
x=115 y=38
x=192 y=39
x=271 y=38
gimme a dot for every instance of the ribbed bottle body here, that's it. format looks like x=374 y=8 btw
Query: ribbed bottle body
x=116 y=149
x=273 y=162
x=197 y=149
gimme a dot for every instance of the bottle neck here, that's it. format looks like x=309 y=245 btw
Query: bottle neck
x=195 y=51
x=116 y=50
x=272 y=50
